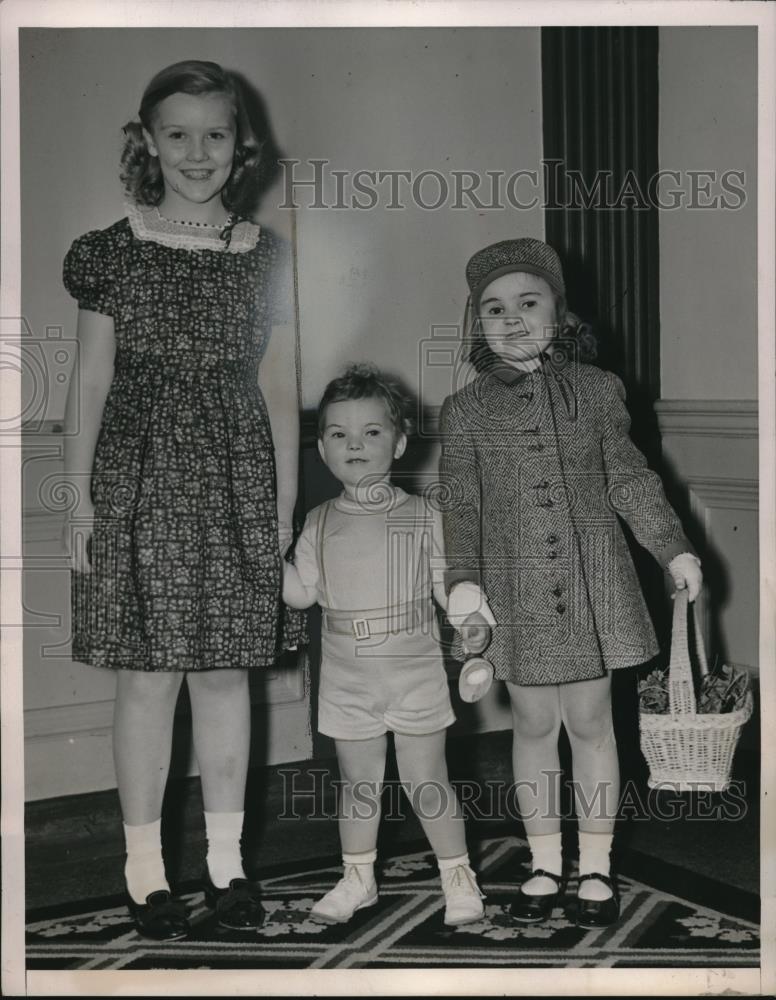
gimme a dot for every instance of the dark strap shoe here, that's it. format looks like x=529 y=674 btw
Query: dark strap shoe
x=238 y=907
x=161 y=917
x=592 y=913
x=531 y=909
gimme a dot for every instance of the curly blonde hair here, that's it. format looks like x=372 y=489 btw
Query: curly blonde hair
x=141 y=174
x=366 y=381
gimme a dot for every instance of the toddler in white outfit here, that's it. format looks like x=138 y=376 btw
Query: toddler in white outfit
x=372 y=558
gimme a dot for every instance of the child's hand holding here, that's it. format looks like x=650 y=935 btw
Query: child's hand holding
x=685 y=570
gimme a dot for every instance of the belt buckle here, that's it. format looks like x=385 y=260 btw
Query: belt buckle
x=361 y=628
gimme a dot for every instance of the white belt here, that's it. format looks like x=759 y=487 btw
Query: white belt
x=380 y=621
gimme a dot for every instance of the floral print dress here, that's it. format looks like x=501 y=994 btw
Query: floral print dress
x=184 y=553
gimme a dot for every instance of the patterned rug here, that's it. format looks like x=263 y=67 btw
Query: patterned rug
x=405 y=929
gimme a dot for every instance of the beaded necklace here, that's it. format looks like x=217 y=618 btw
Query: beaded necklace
x=200 y=225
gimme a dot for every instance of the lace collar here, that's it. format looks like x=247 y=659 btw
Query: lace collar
x=149 y=224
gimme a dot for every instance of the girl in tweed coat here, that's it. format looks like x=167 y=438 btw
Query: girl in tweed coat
x=540 y=469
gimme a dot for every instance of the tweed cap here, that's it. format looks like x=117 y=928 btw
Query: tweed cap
x=525 y=254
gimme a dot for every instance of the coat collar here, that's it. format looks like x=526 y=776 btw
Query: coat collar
x=524 y=384
x=521 y=383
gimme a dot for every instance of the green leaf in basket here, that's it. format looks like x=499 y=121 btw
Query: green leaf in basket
x=653 y=692
x=723 y=690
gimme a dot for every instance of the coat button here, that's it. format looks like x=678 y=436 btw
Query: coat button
x=551 y=539
x=557 y=591
x=552 y=554
x=560 y=608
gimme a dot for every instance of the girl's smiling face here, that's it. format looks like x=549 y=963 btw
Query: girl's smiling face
x=194 y=138
x=359 y=442
x=519 y=316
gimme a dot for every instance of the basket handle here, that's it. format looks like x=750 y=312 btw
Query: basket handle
x=681 y=695
x=700 y=647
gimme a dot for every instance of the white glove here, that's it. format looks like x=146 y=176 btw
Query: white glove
x=685 y=570
x=466 y=599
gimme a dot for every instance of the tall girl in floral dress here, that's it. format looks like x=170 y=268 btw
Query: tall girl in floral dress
x=187 y=445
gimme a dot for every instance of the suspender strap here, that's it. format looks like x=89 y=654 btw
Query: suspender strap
x=319 y=547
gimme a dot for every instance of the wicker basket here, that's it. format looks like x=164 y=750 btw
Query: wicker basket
x=687 y=750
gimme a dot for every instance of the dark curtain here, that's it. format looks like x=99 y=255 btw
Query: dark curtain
x=600 y=124
x=600 y=115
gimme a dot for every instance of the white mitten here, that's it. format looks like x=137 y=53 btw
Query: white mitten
x=685 y=570
x=467 y=599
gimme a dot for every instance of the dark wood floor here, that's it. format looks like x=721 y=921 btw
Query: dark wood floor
x=75 y=846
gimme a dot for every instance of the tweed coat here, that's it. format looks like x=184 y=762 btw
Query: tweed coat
x=533 y=515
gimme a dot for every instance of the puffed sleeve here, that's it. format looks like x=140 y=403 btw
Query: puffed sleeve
x=635 y=492
x=89 y=272
x=460 y=477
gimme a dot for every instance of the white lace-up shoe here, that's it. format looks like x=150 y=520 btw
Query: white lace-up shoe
x=351 y=893
x=462 y=896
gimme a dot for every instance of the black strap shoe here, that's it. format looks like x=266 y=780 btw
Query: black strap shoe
x=531 y=909
x=237 y=908
x=161 y=917
x=592 y=913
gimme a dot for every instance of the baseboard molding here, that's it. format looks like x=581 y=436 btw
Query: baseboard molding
x=708 y=417
x=727 y=493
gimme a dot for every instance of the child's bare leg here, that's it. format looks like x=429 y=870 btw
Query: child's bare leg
x=142 y=740
x=423 y=772
x=586 y=710
x=362 y=770
x=536 y=720
x=221 y=723
x=142 y=743
x=587 y=715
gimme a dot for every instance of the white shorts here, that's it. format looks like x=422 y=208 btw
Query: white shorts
x=395 y=683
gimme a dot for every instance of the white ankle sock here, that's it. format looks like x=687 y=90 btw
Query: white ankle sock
x=594 y=851
x=365 y=862
x=224 y=861
x=144 y=868
x=546 y=854
x=445 y=864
